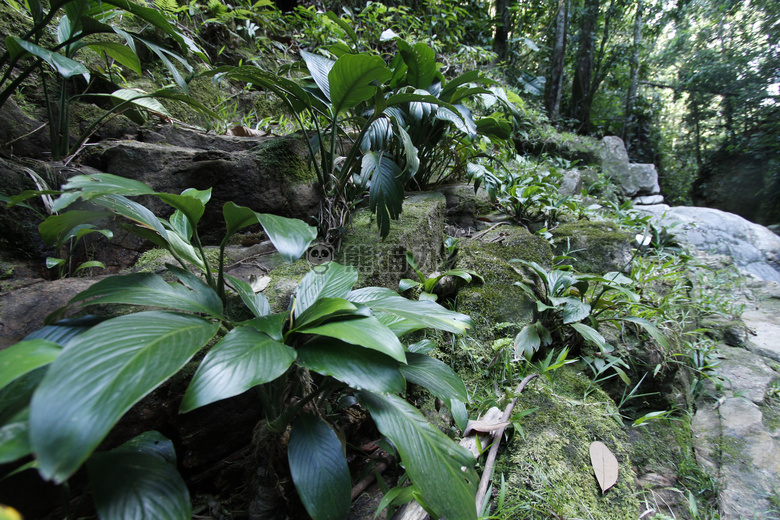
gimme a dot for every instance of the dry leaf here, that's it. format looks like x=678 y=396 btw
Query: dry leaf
x=259 y=284
x=484 y=426
x=604 y=464
x=243 y=131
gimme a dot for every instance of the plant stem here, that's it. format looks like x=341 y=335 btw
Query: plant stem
x=280 y=423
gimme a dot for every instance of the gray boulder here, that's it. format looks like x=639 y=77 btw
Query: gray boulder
x=642 y=179
x=613 y=157
x=753 y=247
x=571 y=184
x=633 y=179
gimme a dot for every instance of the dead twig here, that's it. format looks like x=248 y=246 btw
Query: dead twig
x=491 y=228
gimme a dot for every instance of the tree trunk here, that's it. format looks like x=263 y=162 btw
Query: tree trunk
x=554 y=86
x=503 y=24
x=633 y=85
x=583 y=71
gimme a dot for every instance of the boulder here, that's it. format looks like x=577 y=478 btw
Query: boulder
x=595 y=247
x=648 y=200
x=753 y=247
x=571 y=184
x=612 y=157
x=642 y=179
x=271 y=177
x=22 y=135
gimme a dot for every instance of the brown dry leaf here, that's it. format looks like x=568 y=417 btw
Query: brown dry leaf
x=243 y=131
x=604 y=464
x=484 y=426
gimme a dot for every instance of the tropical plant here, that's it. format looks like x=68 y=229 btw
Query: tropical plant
x=432 y=285
x=59 y=385
x=75 y=32
x=370 y=123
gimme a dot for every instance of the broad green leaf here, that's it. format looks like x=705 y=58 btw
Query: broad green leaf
x=65 y=67
x=244 y=358
x=358 y=367
x=472 y=76
x=121 y=53
x=405 y=284
x=237 y=217
x=527 y=342
x=589 y=334
x=351 y=80
x=325 y=309
x=290 y=236
x=91 y=186
x=344 y=26
x=366 y=332
x=89 y=265
x=386 y=191
x=441 y=470
x=56 y=227
x=139 y=480
x=52 y=262
x=257 y=303
x=139 y=214
x=100 y=376
x=459 y=413
x=335 y=282
x=273 y=325
x=575 y=310
x=140 y=99
x=461 y=118
x=149 y=289
x=64 y=331
x=434 y=375
x=191 y=207
x=319 y=68
x=421 y=62
x=492 y=127
x=15 y=438
x=319 y=469
x=24 y=357
x=402 y=315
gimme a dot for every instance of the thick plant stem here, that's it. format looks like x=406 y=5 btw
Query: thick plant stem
x=491 y=459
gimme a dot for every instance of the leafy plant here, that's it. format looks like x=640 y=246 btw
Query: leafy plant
x=429 y=285
x=78 y=24
x=332 y=338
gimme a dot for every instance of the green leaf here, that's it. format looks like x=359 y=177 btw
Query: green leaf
x=90 y=265
x=191 y=207
x=405 y=284
x=575 y=310
x=434 y=375
x=492 y=127
x=139 y=480
x=386 y=191
x=290 y=236
x=139 y=99
x=344 y=26
x=100 y=376
x=91 y=186
x=273 y=325
x=24 y=357
x=326 y=309
x=358 y=367
x=441 y=470
x=366 y=332
x=257 y=303
x=402 y=315
x=244 y=358
x=421 y=63
x=319 y=469
x=139 y=214
x=121 y=53
x=15 y=437
x=56 y=227
x=527 y=342
x=350 y=80
x=237 y=217
x=589 y=334
x=319 y=68
x=148 y=289
x=52 y=262
x=649 y=328
x=65 y=67
x=335 y=282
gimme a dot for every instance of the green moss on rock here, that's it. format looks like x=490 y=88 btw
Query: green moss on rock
x=596 y=247
x=285 y=156
x=552 y=458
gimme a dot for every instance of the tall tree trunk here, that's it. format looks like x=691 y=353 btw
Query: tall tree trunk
x=583 y=70
x=503 y=24
x=554 y=85
x=633 y=85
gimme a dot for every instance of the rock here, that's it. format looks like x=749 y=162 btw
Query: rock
x=753 y=247
x=22 y=135
x=571 y=184
x=648 y=200
x=735 y=438
x=24 y=309
x=595 y=247
x=642 y=179
x=463 y=205
x=613 y=157
x=272 y=177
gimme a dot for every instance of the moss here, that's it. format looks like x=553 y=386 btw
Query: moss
x=382 y=263
x=284 y=280
x=596 y=247
x=552 y=458
x=285 y=156
x=154 y=260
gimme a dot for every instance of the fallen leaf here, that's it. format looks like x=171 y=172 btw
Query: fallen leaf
x=259 y=284
x=243 y=131
x=484 y=426
x=604 y=464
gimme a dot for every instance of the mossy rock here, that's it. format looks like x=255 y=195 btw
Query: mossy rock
x=382 y=263
x=595 y=247
x=550 y=461
x=498 y=301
